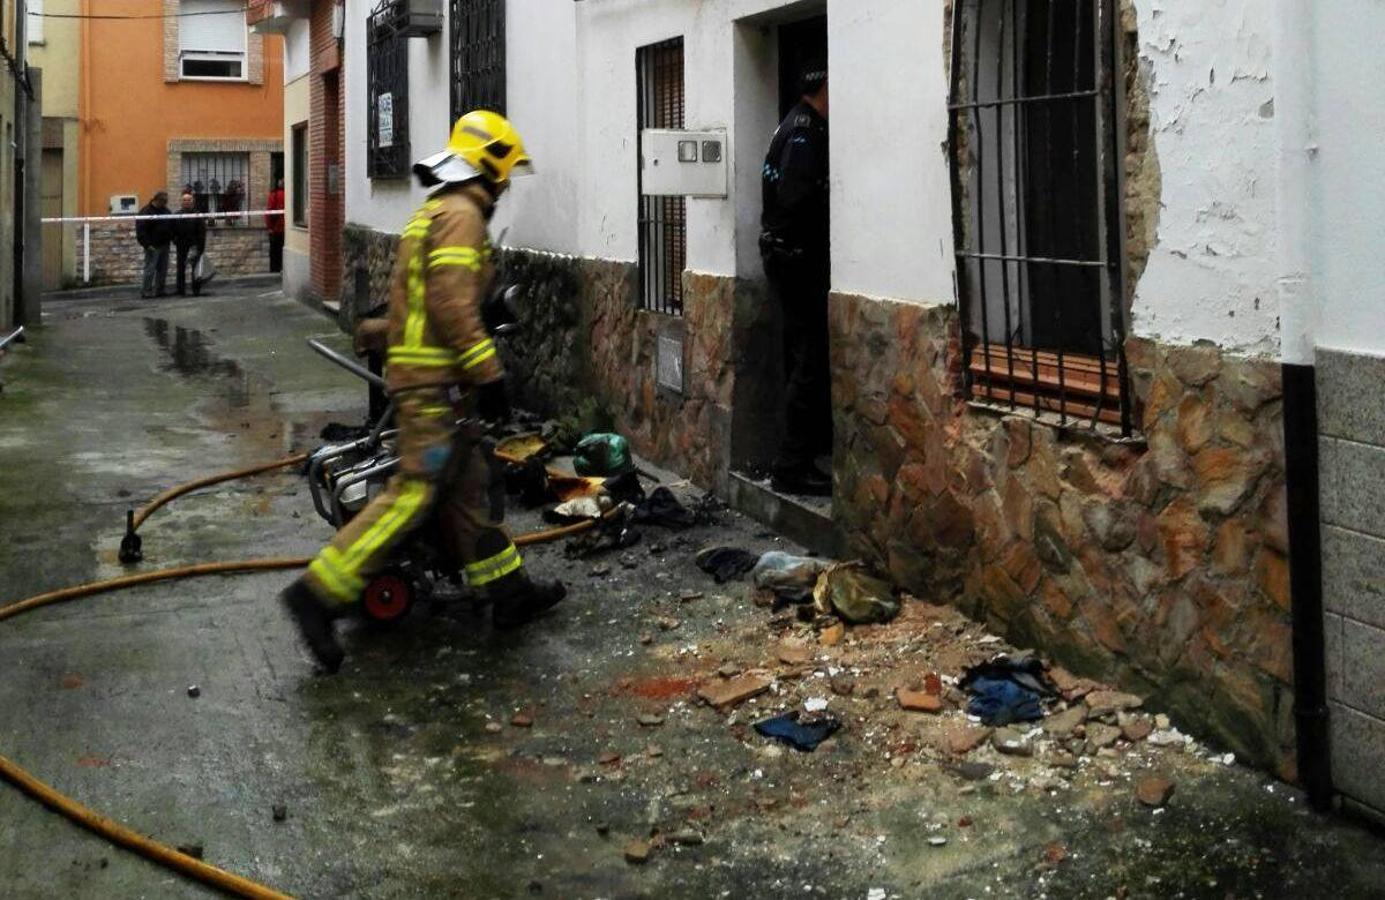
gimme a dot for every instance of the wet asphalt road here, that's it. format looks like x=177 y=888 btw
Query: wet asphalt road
x=396 y=780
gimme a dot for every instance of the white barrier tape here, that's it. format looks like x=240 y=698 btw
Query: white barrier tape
x=234 y=214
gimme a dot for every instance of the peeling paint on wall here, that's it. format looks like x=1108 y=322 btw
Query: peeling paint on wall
x=1211 y=272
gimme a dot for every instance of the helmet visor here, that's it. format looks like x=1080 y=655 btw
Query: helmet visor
x=444 y=168
x=522 y=168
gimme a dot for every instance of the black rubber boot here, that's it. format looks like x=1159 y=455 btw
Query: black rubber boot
x=526 y=602
x=314 y=621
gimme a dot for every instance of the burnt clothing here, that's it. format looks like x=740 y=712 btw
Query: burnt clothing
x=154 y=232
x=797 y=213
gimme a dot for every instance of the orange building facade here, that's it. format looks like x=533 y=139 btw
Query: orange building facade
x=187 y=97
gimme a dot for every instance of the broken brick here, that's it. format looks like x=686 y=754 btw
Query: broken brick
x=966 y=739
x=1137 y=730
x=733 y=691
x=1102 y=703
x=637 y=852
x=918 y=701
x=1154 y=791
x=832 y=635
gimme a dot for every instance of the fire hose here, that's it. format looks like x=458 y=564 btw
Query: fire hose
x=112 y=831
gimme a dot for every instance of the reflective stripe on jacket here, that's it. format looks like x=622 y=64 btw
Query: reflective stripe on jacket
x=441 y=276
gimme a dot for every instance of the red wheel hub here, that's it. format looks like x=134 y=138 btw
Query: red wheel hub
x=387 y=598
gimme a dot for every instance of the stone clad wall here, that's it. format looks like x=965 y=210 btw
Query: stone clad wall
x=1160 y=566
x=587 y=342
x=116 y=257
x=587 y=347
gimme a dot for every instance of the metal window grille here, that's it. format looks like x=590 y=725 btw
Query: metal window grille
x=1037 y=147
x=218 y=181
x=663 y=221
x=387 y=73
x=478 y=55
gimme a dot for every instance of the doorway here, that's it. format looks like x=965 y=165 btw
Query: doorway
x=51 y=207
x=772 y=54
x=801 y=44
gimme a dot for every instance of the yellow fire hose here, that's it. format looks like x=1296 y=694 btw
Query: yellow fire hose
x=112 y=831
x=176 y=492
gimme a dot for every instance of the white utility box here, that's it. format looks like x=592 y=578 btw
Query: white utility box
x=683 y=163
x=124 y=204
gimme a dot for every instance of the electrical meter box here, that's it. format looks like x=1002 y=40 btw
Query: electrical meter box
x=683 y=163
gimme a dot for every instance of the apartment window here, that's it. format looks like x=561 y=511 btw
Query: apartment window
x=218 y=181
x=387 y=73
x=478 y=55
x=1036 y=125
x=299 y=146
x=663 y=230
x=211 y=38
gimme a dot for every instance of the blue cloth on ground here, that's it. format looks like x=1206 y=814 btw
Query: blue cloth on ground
x=1000 y=701
x=804 y=737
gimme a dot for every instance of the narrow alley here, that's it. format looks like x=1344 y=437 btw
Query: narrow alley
x=571 y=759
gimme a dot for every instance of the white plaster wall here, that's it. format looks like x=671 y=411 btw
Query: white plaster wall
x=891 y=186
x=544 y=99
x=571 y=93
x=1349 y=175
x=387 y=203
x=297 y=59
x=1212 y=274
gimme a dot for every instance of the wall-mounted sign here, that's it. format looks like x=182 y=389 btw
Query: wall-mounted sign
x=384 y=119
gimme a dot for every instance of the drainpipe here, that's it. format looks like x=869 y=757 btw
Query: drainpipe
x=1299 y=312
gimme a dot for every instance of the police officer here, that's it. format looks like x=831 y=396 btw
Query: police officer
x=440 y=365
x=794 y=245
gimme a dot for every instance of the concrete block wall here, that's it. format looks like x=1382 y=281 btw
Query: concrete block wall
x=1351 y=423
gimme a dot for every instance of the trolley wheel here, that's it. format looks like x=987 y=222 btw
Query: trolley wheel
x=387 y=599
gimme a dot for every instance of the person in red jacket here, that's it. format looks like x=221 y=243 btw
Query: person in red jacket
x=275 y=226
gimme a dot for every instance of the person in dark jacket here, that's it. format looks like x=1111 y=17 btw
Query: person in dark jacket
x=154 y=236
x=190 y=239
x=794 y=246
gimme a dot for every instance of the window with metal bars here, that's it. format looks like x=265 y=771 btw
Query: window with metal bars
x=1037 y=146
x=387 y=75
x=478 y=56
x=663 y=221
x=218 y=181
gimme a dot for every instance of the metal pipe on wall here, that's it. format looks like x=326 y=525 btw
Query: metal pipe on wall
x=1299 y=312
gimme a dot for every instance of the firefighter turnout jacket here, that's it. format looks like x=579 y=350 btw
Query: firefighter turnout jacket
x=436 y=333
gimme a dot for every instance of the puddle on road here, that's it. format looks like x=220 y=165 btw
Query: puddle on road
x=236 y=402
x=190 y=354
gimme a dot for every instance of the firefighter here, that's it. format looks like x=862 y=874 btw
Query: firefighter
x=440 y=365
x=794 y=246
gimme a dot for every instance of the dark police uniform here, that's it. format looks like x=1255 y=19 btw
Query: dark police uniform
x=794 y=244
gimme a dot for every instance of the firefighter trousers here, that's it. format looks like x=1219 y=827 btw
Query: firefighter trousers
x=443 y=469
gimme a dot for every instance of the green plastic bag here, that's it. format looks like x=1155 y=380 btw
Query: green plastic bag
x=603 y=455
